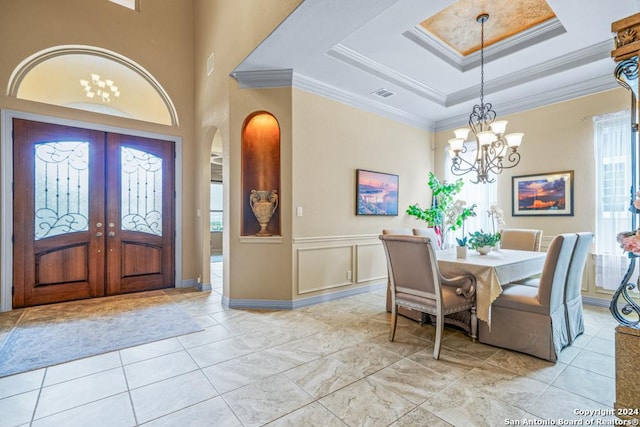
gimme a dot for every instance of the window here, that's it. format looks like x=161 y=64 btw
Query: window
x=215 y=217
x=483 y=195
x=614 y=187
x=612 y=149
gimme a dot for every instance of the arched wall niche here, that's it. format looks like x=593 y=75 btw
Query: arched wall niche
x=260 y=167
x=53 y=76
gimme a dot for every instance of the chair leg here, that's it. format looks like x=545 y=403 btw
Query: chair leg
x=439 y=329
x=474 y=324
x=394 y=320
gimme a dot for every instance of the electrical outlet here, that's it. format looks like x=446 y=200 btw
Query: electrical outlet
x=299 y=211
x=349 y=275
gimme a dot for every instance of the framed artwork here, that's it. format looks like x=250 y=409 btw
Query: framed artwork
x=546 y=194
x=376 y=193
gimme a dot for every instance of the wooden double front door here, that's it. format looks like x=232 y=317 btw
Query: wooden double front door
x=93 y=213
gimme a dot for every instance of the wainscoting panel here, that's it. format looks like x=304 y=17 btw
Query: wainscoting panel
x=371 y=262
x=324 y=267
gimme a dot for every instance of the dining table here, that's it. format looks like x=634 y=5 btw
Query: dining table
x=492 y=271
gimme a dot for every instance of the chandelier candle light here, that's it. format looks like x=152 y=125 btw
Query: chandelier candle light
x=491 y=143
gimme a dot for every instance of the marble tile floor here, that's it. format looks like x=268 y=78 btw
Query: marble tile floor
x=325 y=365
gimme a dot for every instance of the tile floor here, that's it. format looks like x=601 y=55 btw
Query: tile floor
x=324 y=365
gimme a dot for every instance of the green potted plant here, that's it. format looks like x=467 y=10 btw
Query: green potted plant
x=461 y=249
x=446 y=213
x=483 y=242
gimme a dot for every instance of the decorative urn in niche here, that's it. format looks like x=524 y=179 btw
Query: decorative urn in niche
x=263 y=204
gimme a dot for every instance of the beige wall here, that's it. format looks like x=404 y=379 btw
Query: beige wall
x=557 y=137
x=323 y=142
x=159 y=38
x=229 y=30
x=331 y=141
x=260 y=267
x=333 y=248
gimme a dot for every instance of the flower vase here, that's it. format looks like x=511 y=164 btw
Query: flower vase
x=461 y=252
x=263 y=204
x=483 y=250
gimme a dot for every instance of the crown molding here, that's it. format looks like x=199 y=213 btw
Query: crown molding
x=366 y=64
x=542 y=32
x=317 y=87
x=576 y=90
x=263 y=78
x=288 y=78
x=575 y=59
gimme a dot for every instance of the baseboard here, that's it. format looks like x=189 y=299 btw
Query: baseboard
x=187 y=283
x=598 y=302
x=203 y=287
x=261 y=304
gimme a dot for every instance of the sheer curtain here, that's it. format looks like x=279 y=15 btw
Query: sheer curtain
x=483 y=195
x=612 y=136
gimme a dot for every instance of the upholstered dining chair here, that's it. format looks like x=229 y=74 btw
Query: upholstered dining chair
x=416 y=283
x=428 y=232
x=573 y=288
x=411 y=314
x=521 y=239
x=532 y=319
x=398 y=231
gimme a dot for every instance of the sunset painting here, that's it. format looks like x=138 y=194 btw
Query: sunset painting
x=377 y=193
x=546 y=194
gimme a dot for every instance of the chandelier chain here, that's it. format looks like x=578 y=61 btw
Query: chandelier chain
x=482 y=63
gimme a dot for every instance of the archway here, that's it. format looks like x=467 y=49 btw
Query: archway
x=84 y=77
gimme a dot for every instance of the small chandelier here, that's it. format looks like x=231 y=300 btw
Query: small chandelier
x=491 y=144
x=102 y=89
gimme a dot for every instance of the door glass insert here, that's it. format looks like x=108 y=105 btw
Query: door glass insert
x=61 y=188
x=141 y=191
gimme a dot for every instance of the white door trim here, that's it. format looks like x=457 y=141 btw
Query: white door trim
x=6 y=193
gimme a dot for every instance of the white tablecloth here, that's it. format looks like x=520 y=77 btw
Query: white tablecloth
x=493 y=270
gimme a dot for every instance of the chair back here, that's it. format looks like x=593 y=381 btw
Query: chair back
x=398 y=231
x=555 y=270
x=412 y=266
x=521 y=239
x=576 y=268
x=428 y=232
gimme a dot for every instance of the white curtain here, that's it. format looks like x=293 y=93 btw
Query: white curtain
x=612 y=142
x=483 y=195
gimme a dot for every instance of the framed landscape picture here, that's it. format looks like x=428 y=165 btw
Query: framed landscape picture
x=376 y=193
x=547 y=194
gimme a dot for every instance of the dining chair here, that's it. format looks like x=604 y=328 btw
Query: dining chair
x=573 y=287
x=411 y=314
x=521 y=239
x=532 y=319
x=430 y=233
x=398 y=231
x=416 y=283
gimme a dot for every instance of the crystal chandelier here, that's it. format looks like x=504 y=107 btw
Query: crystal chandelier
x=102 y=89
x=491 y=144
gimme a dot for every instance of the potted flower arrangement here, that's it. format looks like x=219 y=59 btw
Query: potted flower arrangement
x=445 y=214
x=461 y=249
x=483 y=242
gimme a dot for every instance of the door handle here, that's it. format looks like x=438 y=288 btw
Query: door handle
x=111 y=233
x=99 y=234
